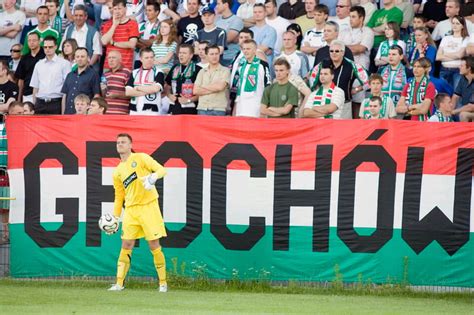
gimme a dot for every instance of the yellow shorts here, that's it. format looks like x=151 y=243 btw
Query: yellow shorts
x=143 y=221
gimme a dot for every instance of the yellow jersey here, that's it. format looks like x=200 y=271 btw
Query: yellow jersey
x=128 y=184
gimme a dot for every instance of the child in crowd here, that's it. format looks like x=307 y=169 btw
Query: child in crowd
x=444 y=107
x=387 y=108
x=81 y=104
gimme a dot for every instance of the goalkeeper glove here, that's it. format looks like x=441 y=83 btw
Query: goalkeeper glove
x=149 y=181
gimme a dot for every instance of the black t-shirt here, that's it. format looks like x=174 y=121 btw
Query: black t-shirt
x=176 y=86
x=8 y=90
x=434 y=10
x=188 y=27
x=25 y=68
x=291 y=12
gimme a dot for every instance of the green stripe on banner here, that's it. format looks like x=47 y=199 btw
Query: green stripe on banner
x=206 y=256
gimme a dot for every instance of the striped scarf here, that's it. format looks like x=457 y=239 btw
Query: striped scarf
x=416 y=96
x=251 y=81
x=399 y=81
x=318 y=98
x=359 y=72
x=415 y=53
x=383 y=109
x=442 y=118
x=385 y=47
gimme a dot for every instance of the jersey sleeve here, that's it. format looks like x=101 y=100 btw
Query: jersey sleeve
x=119 y=195
x=153 y=166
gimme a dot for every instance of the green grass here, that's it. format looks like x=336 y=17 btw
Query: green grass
x=91 y=297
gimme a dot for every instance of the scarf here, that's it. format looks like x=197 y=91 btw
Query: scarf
x=416 y=54
x=396 y=85
x=186 y=74
x=385 y=47
x=359 y=72
x=442 y=118
x=411 y=43
x=369 y=116
x=383 y=109
x=318 y=98
x=416 y=97
x=252 y=75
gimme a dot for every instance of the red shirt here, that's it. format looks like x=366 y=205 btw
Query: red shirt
x=430 y=94
x=122 y=33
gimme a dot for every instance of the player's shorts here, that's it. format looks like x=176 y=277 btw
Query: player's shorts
x=143 y=221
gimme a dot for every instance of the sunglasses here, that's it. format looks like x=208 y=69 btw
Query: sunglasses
x=15 y=50
x=335 y=51
x=341 y=6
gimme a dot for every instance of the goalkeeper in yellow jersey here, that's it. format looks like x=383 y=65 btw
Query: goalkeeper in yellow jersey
x=134 y=184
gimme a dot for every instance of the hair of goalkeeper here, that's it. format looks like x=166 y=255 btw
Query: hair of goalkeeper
x=126 y=135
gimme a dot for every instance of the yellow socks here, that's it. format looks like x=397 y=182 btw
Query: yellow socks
x=160 y=264
x=123 y=265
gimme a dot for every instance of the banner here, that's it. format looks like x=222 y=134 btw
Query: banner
x=381 y=201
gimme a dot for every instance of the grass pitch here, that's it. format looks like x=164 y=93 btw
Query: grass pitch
x=92 y=297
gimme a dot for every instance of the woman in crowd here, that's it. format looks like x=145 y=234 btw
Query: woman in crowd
x=418 y=94
x=425 y=47
x=165 y=45
x=451 y=49
x=392 y=35
x=68 y=50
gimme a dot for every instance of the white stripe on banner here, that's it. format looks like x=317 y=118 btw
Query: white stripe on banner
x=245 y=196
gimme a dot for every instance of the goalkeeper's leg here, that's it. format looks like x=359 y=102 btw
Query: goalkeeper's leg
x=124 y=260
x=158 y=260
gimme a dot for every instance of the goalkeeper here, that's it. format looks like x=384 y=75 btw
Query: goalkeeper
x=134 y=184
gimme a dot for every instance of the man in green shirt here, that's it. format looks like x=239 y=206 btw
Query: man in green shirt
x=43 y=29
x=281 y=98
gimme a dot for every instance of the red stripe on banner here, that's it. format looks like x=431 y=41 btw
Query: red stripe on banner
x=208 y=135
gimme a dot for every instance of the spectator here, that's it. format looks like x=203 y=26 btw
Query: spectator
x=121 y=34
x=342 y=18
x=327 y=99
x=85 y=36
x=280 y=98
x=425 y=47
x=83 y=80
x=164 y=46
x=434 y=11
x=295 y=28
x=180 y=83
x=444 y=28
x=81 y=104
x=8 y=89
x=264 y=35
x=444 y=107
x=26 y=67
x=233 y=24
x=451 y=49
x=346 y=73
x=392 y=35
x=29 y=7
x=394 y=74
x=463 y=97
x=28 y=108
x=314 y=38
x=211 y=85
x=15 y=53
x=54 y=21
x=245 y=12
x=189 y=25
x=15 y=108
x=11 y=24
x=277 y=22
x=211 y=33
x=369 y=8
x=374 y=107
x=47 y=80
x=145 y=85
x=149 y=28
x=43 y=29
x=331 y=32
x=418 y=94
x=306 y=22
x=68 y=51
x=387 y=108
x=291 y=9
x=98 y=106
x=113 y=85
x=418 y=22
x=378 y=23
x=203 y=63
x=362 y=37
x=250 y=80
x=299 y=64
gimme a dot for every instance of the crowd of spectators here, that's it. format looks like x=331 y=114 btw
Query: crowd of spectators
x=342 y=59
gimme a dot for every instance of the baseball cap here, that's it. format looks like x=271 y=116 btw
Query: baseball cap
x=207 y=10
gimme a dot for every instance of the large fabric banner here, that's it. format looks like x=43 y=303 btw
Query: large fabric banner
x=310 y=200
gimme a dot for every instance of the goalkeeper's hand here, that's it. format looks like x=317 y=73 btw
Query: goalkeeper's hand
x=149 y=181
x=115 y=230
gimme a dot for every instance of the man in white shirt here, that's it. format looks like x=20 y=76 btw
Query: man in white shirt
x=11 y=24
x=297 y=60
x=277 y=22
x=444 y=27
x=343 y=20
x=327 y=100
x=314 y=38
